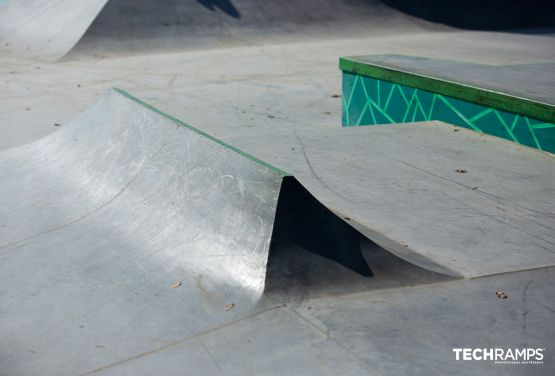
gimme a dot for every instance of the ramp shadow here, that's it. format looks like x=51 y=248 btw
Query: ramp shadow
x=302 y=220
x=225 y=6
x=481 y=15
x=314 y=252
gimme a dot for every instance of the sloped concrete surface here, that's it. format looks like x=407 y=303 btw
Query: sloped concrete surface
x=44 y=29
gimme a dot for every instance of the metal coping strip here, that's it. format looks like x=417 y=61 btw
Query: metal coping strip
x=202 y=134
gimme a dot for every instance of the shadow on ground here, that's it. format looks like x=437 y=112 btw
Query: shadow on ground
x=225 y=6
x=481 y=14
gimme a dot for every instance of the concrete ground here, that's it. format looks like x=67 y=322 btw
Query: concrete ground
x=276 y=87
x=321 y=318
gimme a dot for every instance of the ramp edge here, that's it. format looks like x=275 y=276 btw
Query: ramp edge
x=181 y=123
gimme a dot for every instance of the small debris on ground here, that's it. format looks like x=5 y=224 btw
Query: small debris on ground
x=229 y=307
x=461 y=171
x=474 y=188
x=271 y=116
x=176 y=284
x=456 y=130
x=327 y=113
x=57 y=124
x=336 y=96
x=501 y=294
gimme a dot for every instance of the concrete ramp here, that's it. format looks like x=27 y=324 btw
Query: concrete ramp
x=139 y=26
x=44 y=29
x=49 y=29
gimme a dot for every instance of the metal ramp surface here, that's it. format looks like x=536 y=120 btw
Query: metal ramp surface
x=129 y=233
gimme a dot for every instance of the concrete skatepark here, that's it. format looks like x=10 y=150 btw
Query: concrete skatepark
x=179 y=197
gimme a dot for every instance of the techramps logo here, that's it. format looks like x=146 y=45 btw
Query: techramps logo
x=517 y=356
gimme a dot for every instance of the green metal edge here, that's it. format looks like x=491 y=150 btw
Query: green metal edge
x=518 y=105
x=202 y=134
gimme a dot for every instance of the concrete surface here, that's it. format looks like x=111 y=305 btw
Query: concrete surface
x=81 y=298
x=48 y=29
x=527 y=81
x=222 y=91
x=44 y=29
x=385 y=332
x=127 y=27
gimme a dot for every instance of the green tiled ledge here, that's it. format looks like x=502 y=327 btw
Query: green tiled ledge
x=371 y=100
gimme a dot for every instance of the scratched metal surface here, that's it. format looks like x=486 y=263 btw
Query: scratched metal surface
x=100 y=219
x=399 y=186
x=44 y=29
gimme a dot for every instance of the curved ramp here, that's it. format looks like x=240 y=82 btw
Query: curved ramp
x=138 y=26
x=128 y=230
x=153 y=187
x=190 y=197
x=49 y=29
x=444 y=198
x=44 y=29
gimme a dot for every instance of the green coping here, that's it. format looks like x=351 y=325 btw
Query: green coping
x=486 y=97
x=203 y=134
